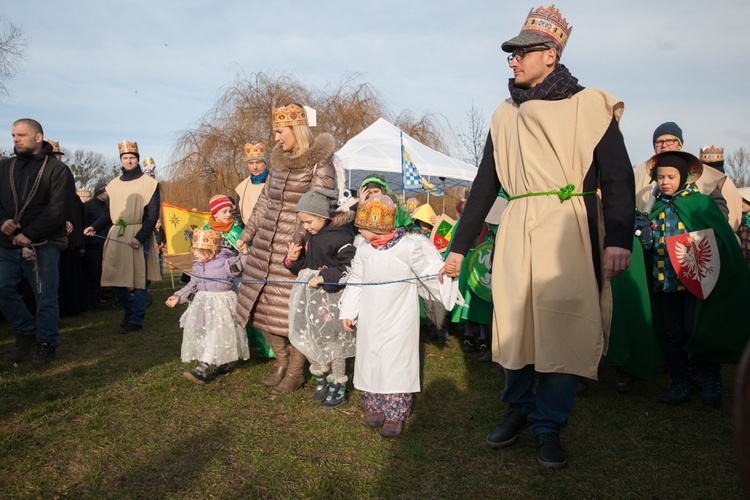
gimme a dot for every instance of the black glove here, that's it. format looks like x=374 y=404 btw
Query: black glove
x=642 y=227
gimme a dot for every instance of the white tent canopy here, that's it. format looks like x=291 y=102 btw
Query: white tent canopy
x=378 y=149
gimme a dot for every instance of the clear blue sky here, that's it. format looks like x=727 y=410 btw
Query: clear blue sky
x=97 y=73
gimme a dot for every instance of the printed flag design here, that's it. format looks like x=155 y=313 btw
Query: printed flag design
x=411 y=177
x=179 y=223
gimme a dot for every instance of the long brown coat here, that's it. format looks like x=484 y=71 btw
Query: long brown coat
x=271 y=226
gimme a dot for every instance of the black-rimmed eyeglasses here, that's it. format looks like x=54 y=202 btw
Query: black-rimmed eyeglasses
x=519 y=54
x=665 y=142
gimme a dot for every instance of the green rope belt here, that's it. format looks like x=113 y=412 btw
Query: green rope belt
x=122 y=225
x=564 y=193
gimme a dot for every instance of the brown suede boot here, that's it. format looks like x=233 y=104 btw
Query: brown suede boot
x=278 y=345
x=295 y=374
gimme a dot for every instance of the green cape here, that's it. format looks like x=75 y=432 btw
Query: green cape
x=720 y=333
x=633 y=346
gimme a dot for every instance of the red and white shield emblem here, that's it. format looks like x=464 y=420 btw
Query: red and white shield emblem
x=695 y=258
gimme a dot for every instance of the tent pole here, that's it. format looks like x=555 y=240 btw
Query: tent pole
x=444 y=196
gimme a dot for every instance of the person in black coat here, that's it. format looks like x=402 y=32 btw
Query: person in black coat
x=92 y=259
x=34 y=189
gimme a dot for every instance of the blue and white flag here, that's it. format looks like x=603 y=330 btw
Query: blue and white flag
x=412 y=180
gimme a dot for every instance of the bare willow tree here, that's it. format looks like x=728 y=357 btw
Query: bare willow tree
x=210 y=158
x=738 y=167
x=346 y=109
x=427 y=128
x=12 y=51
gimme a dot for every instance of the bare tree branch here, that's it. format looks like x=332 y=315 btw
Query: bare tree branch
x=474 y=139
x=12 y=51
x=738 y=167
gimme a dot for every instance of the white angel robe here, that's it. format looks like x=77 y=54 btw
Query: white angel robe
x=387 y=315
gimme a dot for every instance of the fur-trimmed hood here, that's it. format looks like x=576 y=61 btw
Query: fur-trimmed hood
x=322 y=147
x=342 y=218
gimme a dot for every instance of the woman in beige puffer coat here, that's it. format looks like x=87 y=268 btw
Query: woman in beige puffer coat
x=299 y=164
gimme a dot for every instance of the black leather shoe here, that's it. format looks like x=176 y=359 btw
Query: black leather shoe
x=506 y=432
x=549 y=452
x=45 y=353
x=22 y=347
x=131 y=327
x=623 y=381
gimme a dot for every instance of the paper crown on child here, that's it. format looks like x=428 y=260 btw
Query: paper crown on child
x=255 y=152
x=149 y=163
x=218 y=202
x=689 y=166
x=376 y=214
x=293 y=114
x=543 y=26
x=129 y=147
x=711 y=154
x=55 y=146
x=206 y=239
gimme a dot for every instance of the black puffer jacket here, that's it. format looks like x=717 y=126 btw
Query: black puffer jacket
x=330 y=251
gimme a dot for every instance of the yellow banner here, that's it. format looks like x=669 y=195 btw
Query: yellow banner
x=179 y=223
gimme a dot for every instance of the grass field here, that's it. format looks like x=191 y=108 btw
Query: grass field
x=113 y=417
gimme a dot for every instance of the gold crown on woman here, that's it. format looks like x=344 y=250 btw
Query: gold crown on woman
x=711 y=154
x=255 y=150
x=128 y=147
x=375 y=215
x=289 y=115
x=207 y=239
x=548 y=23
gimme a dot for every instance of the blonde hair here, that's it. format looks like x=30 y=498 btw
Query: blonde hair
x=206 y=253
x=303 y=137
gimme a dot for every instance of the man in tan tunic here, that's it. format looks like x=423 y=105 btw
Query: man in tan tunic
x=556 y=150
x=248 y=191
x=133 y=209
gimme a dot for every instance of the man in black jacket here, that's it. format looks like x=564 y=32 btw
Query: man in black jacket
x=34 y=186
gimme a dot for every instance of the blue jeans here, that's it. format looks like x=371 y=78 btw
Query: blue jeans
x=134 y=304
x=547 y=410
x=46 y=324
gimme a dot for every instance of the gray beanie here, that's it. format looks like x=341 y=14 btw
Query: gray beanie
x=670 y=128
x=318 y=202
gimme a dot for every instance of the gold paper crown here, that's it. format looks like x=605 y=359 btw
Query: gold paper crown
x=548 y=23
x=711 y=154
x=55 y=146
x=288 y=116
x=207 y=239
x=84 y=193
x=128 y=147
x=149 y=163
x=376 y=215
x=255 y=151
